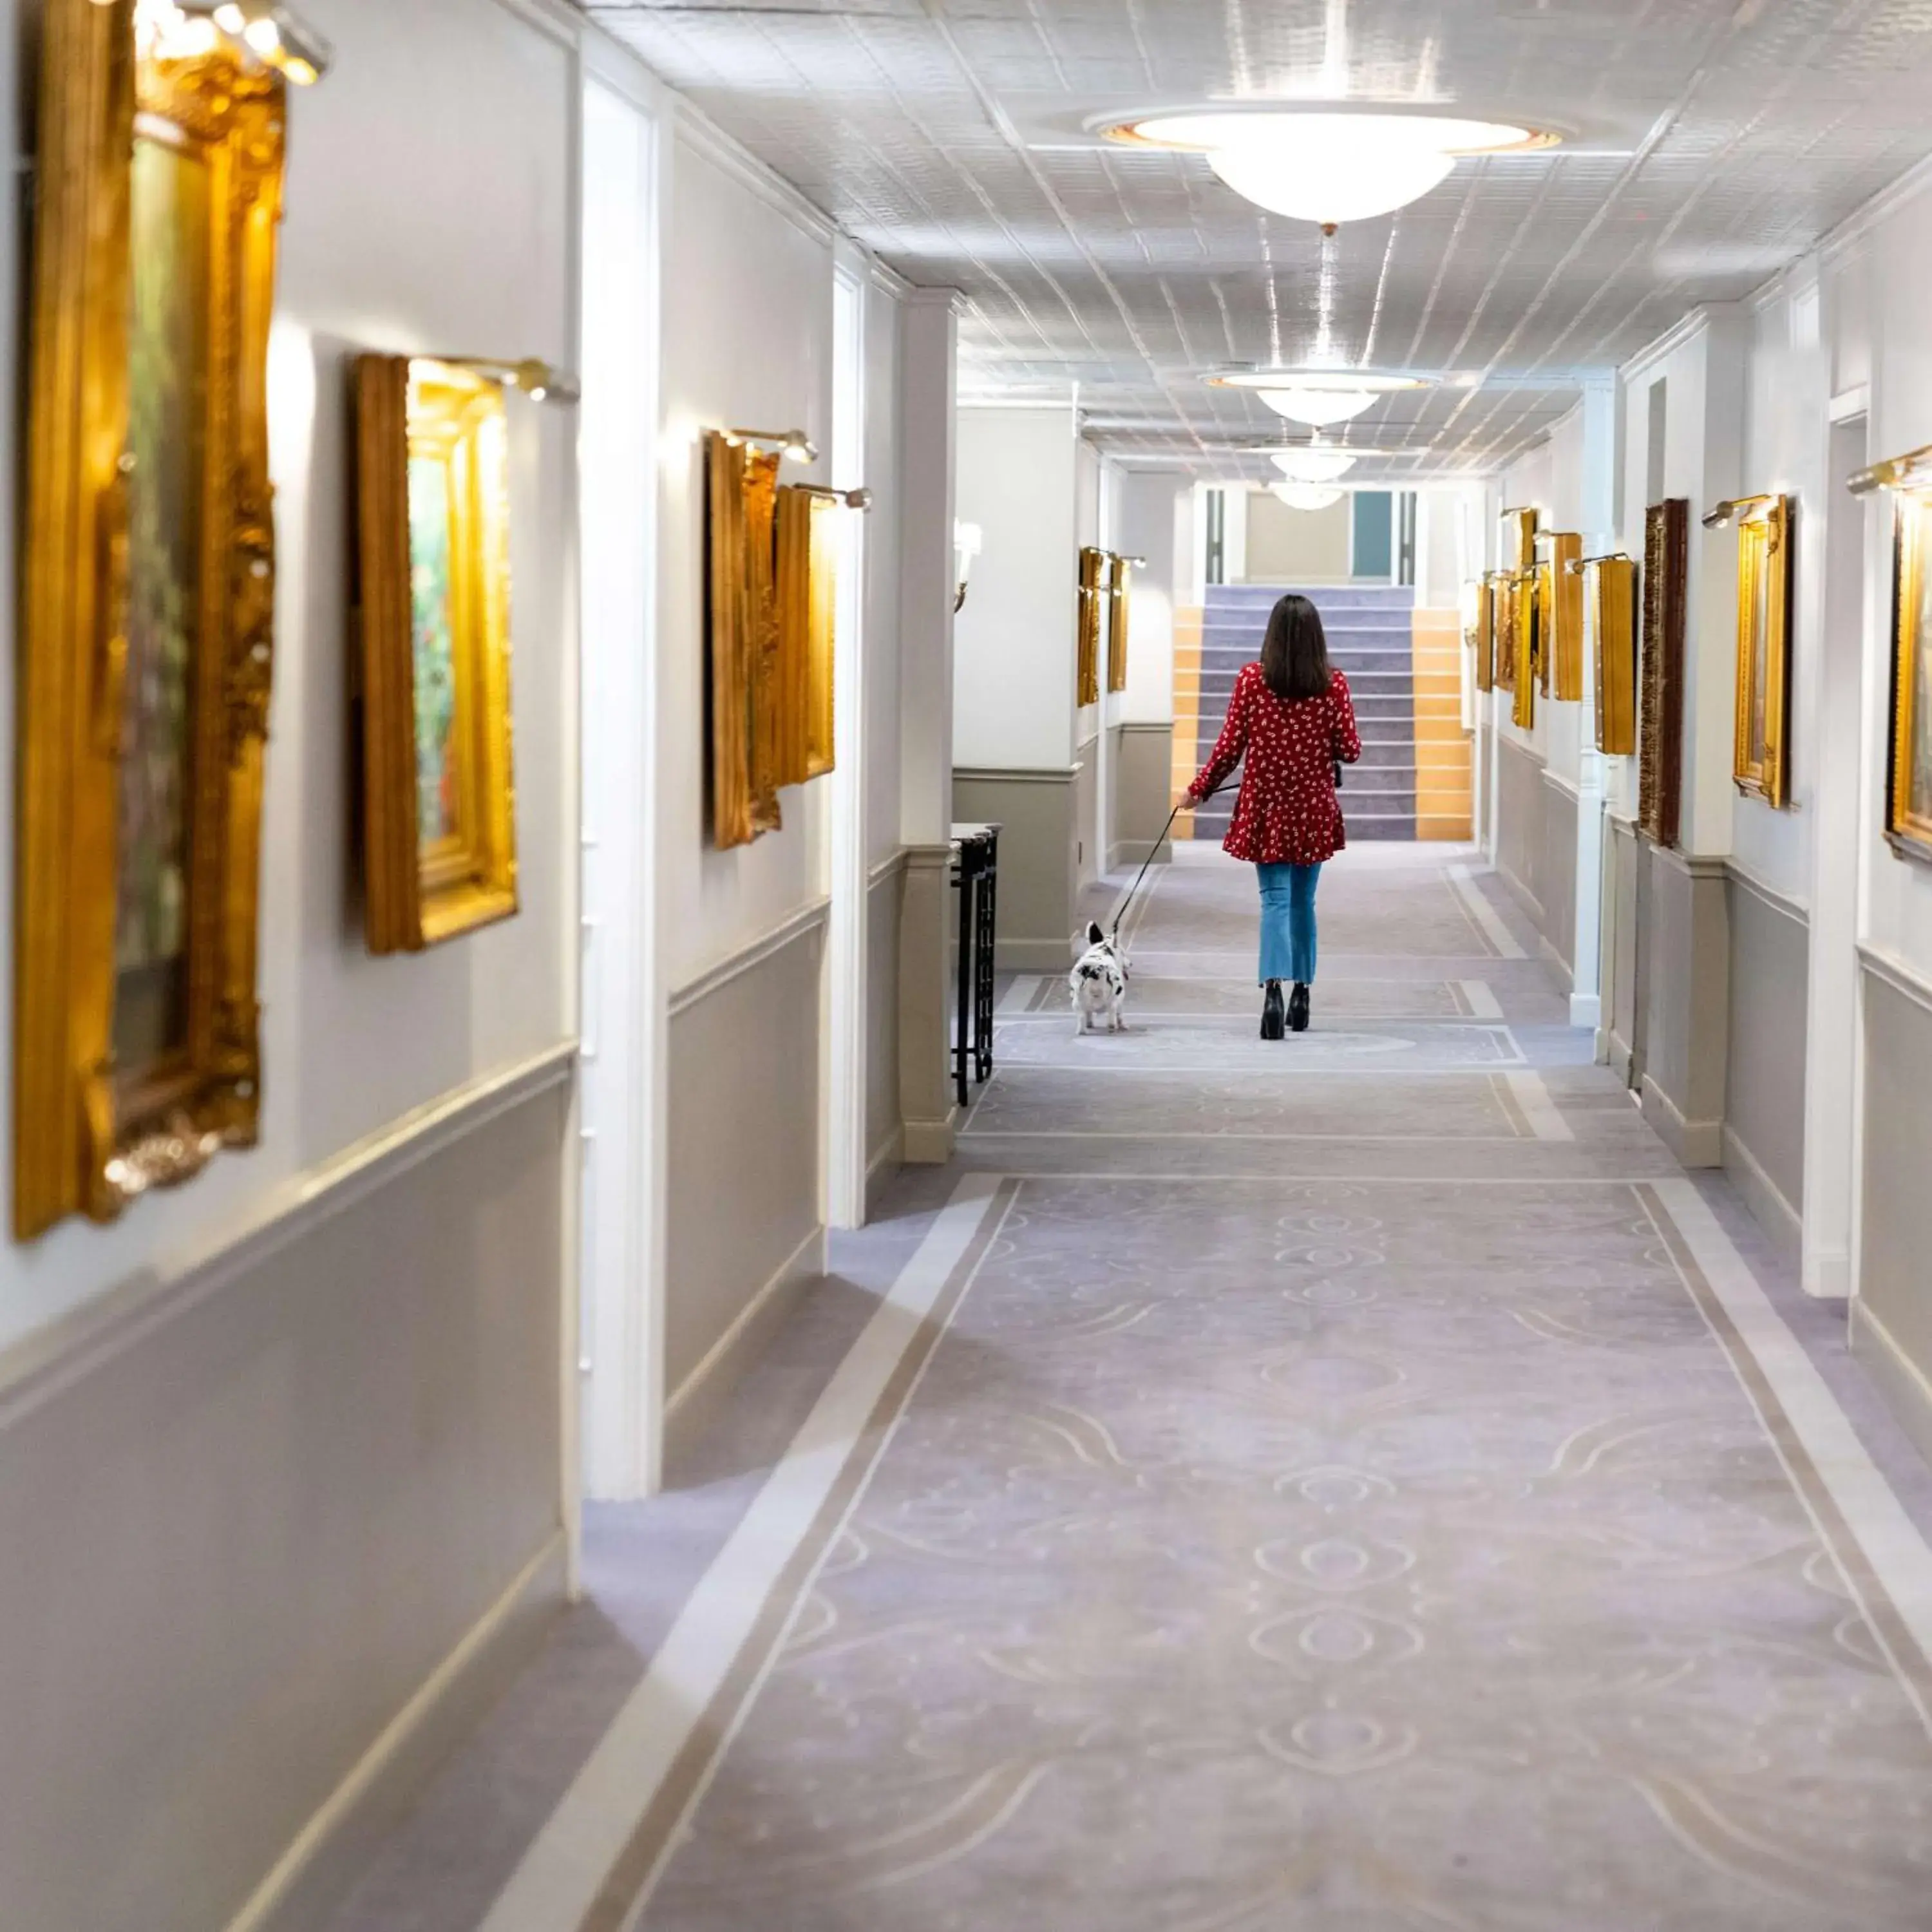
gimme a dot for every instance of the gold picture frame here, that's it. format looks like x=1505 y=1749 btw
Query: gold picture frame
x=1909 y=788
x=741 y=482
x=1563 y=608
x=1119 y=585
x=807 y=599
x=1482 y=636
x=1503 y=604
x=1613 y=604
x=1520 y=532
x=1760 y=755
x=147 y=613
x=1095 y=577
x=1526 y=623
x=433 y=526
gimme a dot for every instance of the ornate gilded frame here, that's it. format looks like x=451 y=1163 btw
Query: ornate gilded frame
x=1520 y=530
x=1908 y=828
x=1613 y=587
x=1563 y=613
x=1526 y=623
x=1119 y=585
x=742 y=688
x=1483 y=635
x=412 y=413
x=1661 y=718
x=1095 y=577
x=807 y=599
x=1502 y=593
x=90 y=1135
x=1760 y=757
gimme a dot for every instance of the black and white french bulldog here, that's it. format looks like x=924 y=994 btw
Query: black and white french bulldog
x=1098 y=982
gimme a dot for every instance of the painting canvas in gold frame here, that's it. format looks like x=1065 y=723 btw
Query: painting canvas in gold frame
x=1119 y=585
x=1909 y=793
x=1760 y=761
x=742 y=625
x=148 y=595
x=1667 y=540
x=433 y=513
x=1503 y=603
x=1483 y=636
x=1563 y=613
x=808 y=599
x=1613 y=605
x=1524 y=623
x=1094 y=577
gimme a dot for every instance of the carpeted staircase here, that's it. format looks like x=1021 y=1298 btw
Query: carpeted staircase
x=1371 y=639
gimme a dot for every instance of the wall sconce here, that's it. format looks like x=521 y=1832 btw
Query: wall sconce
x=793 y=443
x=541 y=381
x=852 y=500
x=1912 y=471
x=1725 y=514
x=276 y=35
x=967 y=541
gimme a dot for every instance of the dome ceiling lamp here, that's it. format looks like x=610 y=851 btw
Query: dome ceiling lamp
x=1314 y=463
x=1308 y=496
x=1319 y=397
x=1329 y=166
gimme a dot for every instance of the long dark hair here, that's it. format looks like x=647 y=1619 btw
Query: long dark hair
x=1294 y=653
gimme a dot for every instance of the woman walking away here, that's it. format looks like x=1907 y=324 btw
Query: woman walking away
x=1292 y=717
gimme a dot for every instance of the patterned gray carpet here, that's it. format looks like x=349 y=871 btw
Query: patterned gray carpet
x=1358 y=1485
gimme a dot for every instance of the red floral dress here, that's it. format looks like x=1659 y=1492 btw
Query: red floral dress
x=1287 y=813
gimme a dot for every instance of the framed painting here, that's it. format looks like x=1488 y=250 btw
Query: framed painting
x=1908 y=793
x=1563 y=609
x=1760 y=757
x=1502 y=600
x=1096 y=574
x=808 y=599
x=1525 y=622
x=1520 y=528
x=433 y=525
x=1612 y=607
x=1119 y=586
x=1546 y=606
x=741 y=624
x=147 y=600
x=1666 y=528
x=1483 y=634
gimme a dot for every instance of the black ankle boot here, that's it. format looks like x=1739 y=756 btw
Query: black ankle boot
x=1297 y=1009
x=1271 y=1014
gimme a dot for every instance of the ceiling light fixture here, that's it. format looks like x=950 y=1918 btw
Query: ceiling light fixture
x=1328 y=166
x=1308 y=496
x=1317 y=397
x=1315 y=464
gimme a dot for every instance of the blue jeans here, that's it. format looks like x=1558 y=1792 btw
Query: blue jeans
x=1287 y=921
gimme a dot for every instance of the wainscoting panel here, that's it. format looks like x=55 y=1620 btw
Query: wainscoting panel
x=743 y=1133
x=884 y=1126
x=279 y=1533
x=1686 y=978
x=1898 y=1225
x=1764 y=1107
x=1143 y=765
x=1036 y=810
x=1522 y=802
x=1556 y=875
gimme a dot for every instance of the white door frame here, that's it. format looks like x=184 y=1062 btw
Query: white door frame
x=847 y=952
x=618 y=1361
x=1834 y=1050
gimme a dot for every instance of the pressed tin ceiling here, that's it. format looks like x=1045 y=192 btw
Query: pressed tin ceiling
x=1706 y=143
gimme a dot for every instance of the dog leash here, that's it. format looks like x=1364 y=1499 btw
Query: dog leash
x=1180 y=805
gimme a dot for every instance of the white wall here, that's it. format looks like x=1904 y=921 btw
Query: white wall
x=1014 y=661
x=1149 y=524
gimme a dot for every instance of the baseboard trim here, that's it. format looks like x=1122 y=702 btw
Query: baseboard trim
x=1140 y=852
x=929 y=1143
x=1618 y=1054
x=880 y=1170
x=1906 y=1386
x=312 y=1877
x=1521 y=894
x=1565 y=974
x=1695 y=1143
x=1762 y=1195
x=690 y=1410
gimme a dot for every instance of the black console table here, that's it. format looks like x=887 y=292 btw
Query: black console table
x=975 y=877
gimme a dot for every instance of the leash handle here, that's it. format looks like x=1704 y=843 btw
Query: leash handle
x=1148 y=861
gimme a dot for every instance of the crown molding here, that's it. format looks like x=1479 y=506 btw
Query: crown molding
x=709 y=142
